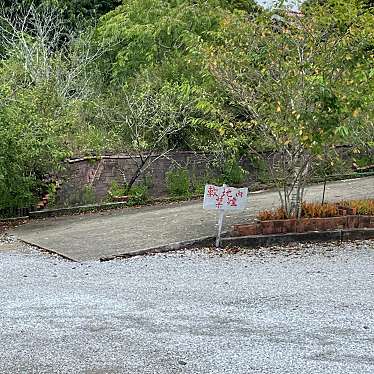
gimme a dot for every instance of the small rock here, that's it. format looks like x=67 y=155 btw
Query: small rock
x=181 y=362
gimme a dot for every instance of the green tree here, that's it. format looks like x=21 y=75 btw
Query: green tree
x=164 y=35
x=299 y=87
x=73 y=11
x=29 y=144
x=46 y=92
x=148 y=121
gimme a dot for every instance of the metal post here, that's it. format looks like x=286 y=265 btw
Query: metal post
x=220 y=223
x=324 y=190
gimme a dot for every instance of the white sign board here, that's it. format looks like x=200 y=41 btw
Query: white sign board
x=225 y=198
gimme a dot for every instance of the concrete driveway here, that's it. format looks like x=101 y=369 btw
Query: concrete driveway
x=100 y=235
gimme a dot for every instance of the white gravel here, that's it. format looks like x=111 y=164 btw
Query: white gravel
x=303 y=310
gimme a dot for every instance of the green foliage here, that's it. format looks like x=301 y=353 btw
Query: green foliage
x=233 y=173
x=52 y=195
x=29 y=146
x=198 y=183
x=43 y=115
x=364 y=159
x=117 y=190
x=164 y=35
x=82 y=196
x=158 y=75
x=138 y=194
x=296 y=85
x=178 y=182
x=75 y=13
x=88 y=195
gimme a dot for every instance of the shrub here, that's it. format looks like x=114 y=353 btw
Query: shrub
x=117 y=190
x=138 y=195
x=88 y=195
x=233 y=173
x=198 y=183
x=178 y=182
x=52 y=195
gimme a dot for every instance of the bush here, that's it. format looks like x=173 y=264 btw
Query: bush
x=117 y=190
x=198 y=183
x=233 y=173
x=178 y=182
x=138 y=195
x=88 y=195
x=52 y=195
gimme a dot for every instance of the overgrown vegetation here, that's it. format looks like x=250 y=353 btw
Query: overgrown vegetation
x=136 y=195
x=149 y=77
x=178 y=182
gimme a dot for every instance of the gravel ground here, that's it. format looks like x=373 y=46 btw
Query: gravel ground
x=308 y=309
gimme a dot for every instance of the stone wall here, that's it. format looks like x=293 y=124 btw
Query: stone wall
x=89 y=176
x=87 y=180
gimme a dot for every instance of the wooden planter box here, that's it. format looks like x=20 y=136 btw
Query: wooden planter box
x=120 y=198
x=304 y=225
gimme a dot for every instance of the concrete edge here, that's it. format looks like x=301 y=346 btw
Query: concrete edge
x=14 y=219
x=92 y=208
x=77 y=209
x=253 y=241
x=357 y=234
x=48 y=250
x=199 y=242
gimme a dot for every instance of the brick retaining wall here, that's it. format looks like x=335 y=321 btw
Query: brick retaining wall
x=99 y=174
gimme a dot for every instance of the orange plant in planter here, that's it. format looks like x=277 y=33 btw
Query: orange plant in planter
x=317 y=210
x=268 y=215
x=361 y=207
x=314 y=217
x=309 y=210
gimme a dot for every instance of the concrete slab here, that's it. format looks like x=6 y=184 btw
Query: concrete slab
x=99 y=235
